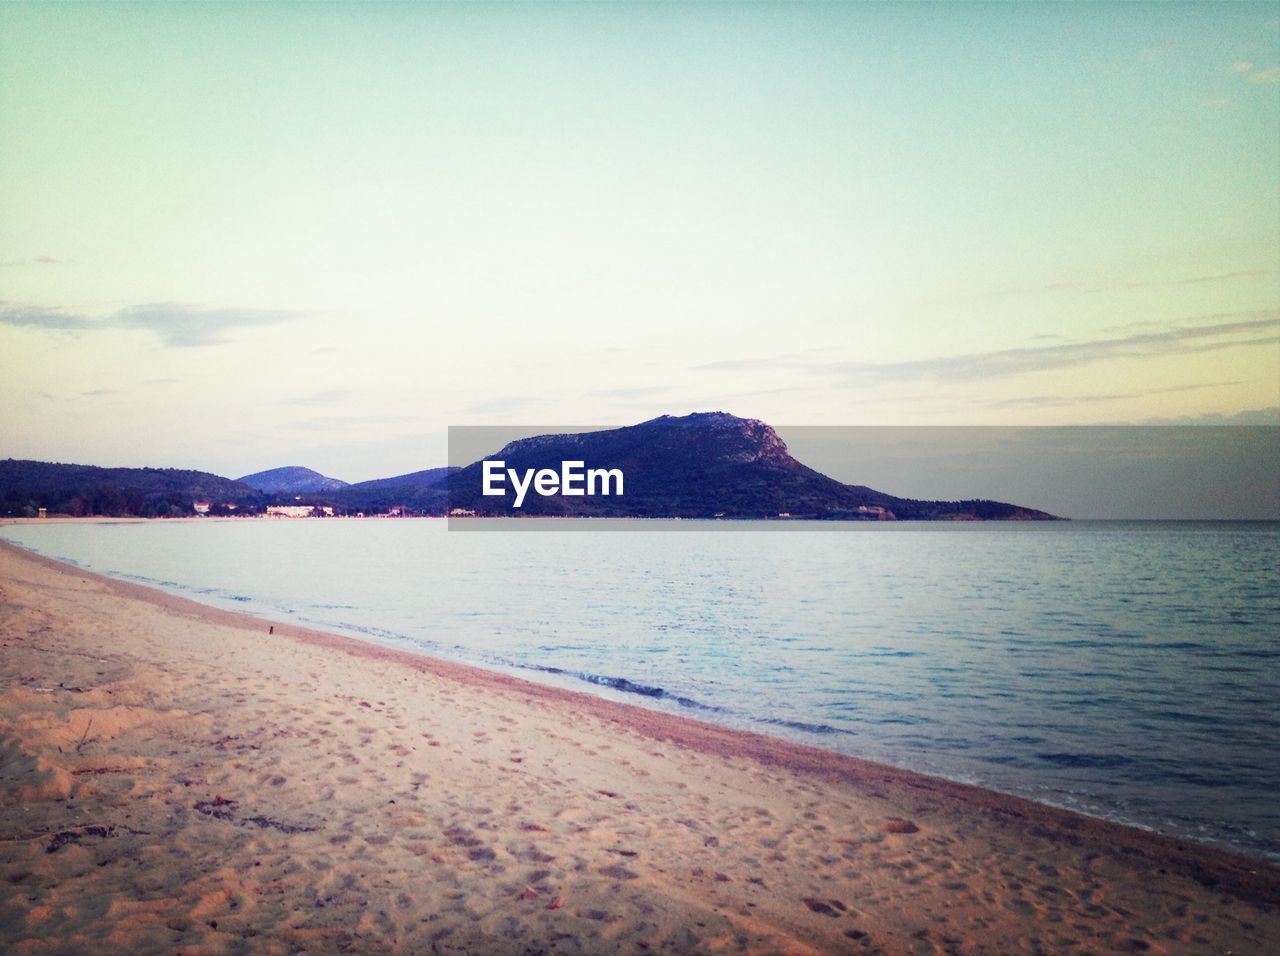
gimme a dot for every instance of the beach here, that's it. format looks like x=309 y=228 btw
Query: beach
x=184 y=779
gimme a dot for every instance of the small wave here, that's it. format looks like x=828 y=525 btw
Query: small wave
x=1098 y=761
x=653 y=692
x=369 y=631
x=1204 y=781
x=626 y=685
x=886 y=652
x=1183 y=717
x=823 y=729
x=908 y=719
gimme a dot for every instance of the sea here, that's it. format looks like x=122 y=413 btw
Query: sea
x=1127 y=670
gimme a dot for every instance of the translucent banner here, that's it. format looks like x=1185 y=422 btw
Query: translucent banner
x=701 y=469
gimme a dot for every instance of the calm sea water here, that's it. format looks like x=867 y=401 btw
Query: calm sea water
x=1130 y=671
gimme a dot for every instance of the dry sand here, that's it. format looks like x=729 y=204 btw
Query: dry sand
x=174 y=778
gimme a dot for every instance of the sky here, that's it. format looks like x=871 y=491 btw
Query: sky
x=239 y=236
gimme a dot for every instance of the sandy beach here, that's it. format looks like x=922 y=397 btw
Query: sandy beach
x=175 y=778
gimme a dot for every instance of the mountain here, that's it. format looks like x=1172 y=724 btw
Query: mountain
x=430 y=478
x=703 y=465
x=709 y=464
x=292 y=480
x=421 y=492
x=27 y=486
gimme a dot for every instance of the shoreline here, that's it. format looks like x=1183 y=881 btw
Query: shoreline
x=686 y=731
x=902 y=803
x=468 y=671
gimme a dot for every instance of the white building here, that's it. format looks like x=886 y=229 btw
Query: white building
x=290 y=511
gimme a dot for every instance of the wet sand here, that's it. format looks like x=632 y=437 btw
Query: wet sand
x=174 y=778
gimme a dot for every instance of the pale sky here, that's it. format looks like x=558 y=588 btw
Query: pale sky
x=234 y=237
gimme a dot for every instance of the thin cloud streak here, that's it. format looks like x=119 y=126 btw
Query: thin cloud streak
x=505 y=405
x=1066 y=401
x=339 y=423
x=1198 y=280
x=35 y=261
x=1246 y=69
x=175 y=324
x=1009 y=362
x=1071 y=285
x=326 y=396
x=628 y=394
x=1249 y=417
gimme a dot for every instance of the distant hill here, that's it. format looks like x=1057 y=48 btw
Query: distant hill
x=27 y=486
x=703 y=465
x=291 y=480
x=420 y=500
x=87 y=490
x=421 y=492
x=430 y=478
x=709 y=464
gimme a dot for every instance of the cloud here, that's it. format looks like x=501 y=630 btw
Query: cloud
x=183 y=326
x=759 y=392
x=1003 y=363
x=342 y=423
x=1066 y=401
x=1165 y=325
x=1061 y=401
x=323 y=397
x=628 y=394
x=1197 y=280
x=1243 y=67
x=37 y=318
x=1061 y=285
x=36 y=261
x=1070 y=285
x=505 y=405
x=1250 y=417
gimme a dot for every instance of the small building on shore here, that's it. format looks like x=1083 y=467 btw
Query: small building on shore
x=299 y=511
x=290 y=511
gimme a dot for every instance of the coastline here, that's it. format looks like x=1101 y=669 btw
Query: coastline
x=396 y=818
